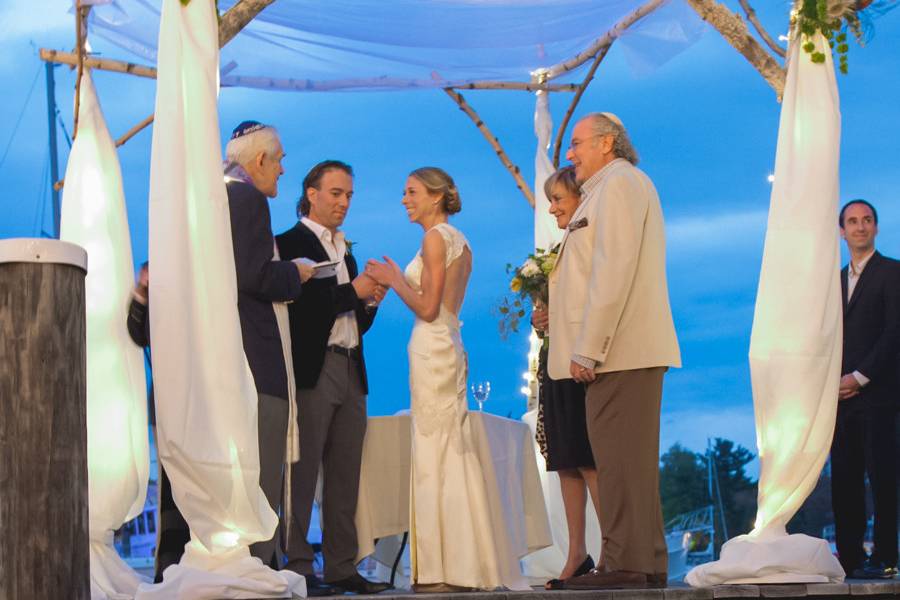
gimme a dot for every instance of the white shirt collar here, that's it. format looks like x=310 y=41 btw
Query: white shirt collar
x=857 y=269
x=594 y=180
x=322 y=232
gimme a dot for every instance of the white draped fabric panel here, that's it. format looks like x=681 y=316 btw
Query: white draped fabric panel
x=205 y=396
x=546 y=233
x=93 y=216
x=314 y=45
x=795 y=346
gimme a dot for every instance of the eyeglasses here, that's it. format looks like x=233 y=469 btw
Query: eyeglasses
x=575 y=143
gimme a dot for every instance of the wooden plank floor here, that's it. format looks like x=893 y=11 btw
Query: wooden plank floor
x=875 y=589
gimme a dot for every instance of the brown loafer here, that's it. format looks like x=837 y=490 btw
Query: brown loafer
x=658 y=580
x=609 y=580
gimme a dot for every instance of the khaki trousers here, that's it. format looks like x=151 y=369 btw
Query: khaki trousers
x=622 y=410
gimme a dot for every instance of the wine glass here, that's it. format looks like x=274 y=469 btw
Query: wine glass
x=481 y=390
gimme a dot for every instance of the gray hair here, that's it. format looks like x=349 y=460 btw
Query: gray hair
x=244 y=149
x=608 y=124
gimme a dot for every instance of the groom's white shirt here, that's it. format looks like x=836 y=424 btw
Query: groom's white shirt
x=609 y=301
x=344 y=333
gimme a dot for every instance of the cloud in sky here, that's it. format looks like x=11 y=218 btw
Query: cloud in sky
x=743 y=230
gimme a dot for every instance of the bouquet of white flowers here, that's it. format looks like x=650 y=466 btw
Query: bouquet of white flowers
x=529 y=282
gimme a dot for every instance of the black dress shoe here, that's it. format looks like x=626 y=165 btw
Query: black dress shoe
x=871 y=569
x=317 y=587
x=583 y=569
x=358 y=584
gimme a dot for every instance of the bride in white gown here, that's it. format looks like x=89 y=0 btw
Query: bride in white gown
x=453 y=542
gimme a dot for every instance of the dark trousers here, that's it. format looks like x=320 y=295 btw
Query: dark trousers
x=622 y=410
x=172 y=532
x=272 y=427
x=332 y=430
x=864 y=445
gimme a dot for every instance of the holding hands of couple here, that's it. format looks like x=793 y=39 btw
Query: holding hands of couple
x=386 y=274
x=373 y=284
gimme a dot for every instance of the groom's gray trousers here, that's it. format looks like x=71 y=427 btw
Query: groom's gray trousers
x=332 y=418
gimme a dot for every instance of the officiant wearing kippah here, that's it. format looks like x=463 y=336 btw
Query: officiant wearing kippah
x=252 y=168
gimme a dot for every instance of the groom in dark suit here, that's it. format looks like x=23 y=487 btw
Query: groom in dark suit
x=327 y=324
x=864 y=437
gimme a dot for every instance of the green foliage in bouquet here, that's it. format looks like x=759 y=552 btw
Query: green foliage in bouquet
x=528 y=282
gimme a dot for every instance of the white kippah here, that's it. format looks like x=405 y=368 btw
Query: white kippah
x=613 y=118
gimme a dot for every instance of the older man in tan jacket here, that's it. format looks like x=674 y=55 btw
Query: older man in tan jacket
x=612 y=329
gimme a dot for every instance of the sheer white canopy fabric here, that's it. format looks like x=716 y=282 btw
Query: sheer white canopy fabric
x=93 y=216
x=207 y=403
x=795 y=346
x=401 y=44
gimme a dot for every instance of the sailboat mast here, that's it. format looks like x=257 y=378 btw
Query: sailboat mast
x=54 y=155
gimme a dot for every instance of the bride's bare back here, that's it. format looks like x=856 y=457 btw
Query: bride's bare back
x=457 y=279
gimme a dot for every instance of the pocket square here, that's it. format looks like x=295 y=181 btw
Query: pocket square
x=582 y=222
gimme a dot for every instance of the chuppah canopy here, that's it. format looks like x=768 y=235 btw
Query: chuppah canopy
x=310 y=45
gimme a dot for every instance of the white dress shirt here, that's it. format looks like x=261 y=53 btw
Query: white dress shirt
x=344 y=333
x=854 y=271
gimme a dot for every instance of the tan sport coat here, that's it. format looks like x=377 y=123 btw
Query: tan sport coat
x=608 y=295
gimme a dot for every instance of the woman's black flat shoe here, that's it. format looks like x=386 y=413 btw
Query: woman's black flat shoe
x=583 y=569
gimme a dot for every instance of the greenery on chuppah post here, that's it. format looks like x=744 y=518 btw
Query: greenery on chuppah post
x=684 y=485
x=831 y=18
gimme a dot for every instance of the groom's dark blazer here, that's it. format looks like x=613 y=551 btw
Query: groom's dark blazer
x=872 y=329
x=313 y=313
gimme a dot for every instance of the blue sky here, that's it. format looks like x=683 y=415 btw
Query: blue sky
x=705 y=125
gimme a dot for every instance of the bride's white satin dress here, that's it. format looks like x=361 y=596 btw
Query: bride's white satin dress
x=452 y=537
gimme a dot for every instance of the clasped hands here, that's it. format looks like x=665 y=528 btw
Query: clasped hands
x=375 y=281
x=849 y=387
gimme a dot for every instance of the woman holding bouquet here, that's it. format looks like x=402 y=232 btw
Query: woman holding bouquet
x=561 y=414
x=454 y=542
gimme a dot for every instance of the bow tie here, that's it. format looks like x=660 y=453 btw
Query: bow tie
x=582 y=222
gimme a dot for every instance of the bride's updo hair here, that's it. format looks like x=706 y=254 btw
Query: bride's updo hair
x=436 y=181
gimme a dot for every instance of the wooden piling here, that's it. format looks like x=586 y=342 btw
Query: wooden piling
x=43 y=434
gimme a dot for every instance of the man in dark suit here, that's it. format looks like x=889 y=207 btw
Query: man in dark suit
x=864 y=440
x=253 y=166
x=327 y=324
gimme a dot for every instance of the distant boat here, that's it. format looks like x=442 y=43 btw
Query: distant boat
x=135 y=541
x=689 y=538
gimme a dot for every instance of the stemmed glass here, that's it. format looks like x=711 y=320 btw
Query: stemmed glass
x=481 y=390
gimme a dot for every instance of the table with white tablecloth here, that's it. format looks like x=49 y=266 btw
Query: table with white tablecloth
x=504 y=448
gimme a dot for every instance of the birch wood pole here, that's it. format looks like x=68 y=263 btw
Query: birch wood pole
x=310 y=85
x=735 y=32
x=560 y=133
x=751 y=16
x=495 y=144
x=603 y=42
x=80 y=14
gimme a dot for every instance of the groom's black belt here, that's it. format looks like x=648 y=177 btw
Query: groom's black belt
x=348 y=352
